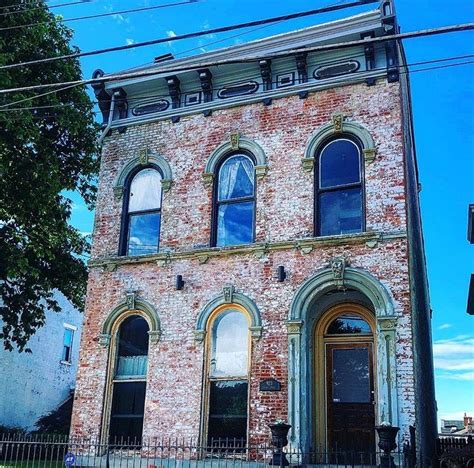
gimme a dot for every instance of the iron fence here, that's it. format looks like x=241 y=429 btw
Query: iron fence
x=56 y=451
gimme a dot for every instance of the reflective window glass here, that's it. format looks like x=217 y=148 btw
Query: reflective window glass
x=144 y=233
x=132 y=348
x=235 y=223
x=145 y=191
x=229 y=356
x=236 y=178
x=348 y=325
x=350 y=374
x=340 y=212
x=228 y=413
x=339 y=164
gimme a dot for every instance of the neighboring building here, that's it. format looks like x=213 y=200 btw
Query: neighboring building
x=257 y=250
x=464 y=427
x=470 y=238
x=34 y=384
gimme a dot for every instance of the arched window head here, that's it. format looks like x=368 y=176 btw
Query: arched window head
x=339 y=189
x=129 y=379
x=235 y=201
x=230 y=345
x=143 y=213
x=228 y=379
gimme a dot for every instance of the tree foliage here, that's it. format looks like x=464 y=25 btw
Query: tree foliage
x=43 y=153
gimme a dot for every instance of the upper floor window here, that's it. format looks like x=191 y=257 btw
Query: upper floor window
x=235 y=201
x=142 y=213
x=68 y=339
x=339 y=197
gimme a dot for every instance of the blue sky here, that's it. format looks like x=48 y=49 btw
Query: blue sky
x=444 y=128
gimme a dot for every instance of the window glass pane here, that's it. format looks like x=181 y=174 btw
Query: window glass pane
x=236 y=178
x=339 y=164
x=128 y=403
x=228 y=412
x=144 y=232
x=68 y=334
x=340 y=212
x=351 y=378
x=132 y=348
x=145 y=191
x=235 y=223
x=230 y=345
x=346 y=324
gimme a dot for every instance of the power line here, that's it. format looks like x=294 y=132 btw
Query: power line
x=150 y=97
x=23 y=10
x=248 y=59
x=193 y=34
x=100 y=15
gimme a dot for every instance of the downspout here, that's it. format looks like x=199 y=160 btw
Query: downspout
x=109 y=123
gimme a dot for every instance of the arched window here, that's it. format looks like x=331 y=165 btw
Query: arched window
x=339 y=197
x=129 y=379
x=234 y=210
x=142 y=213
x=228 y=371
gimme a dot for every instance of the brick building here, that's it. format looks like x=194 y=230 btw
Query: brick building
x=257 y=250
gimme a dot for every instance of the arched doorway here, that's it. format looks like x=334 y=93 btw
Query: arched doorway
x=344 y=393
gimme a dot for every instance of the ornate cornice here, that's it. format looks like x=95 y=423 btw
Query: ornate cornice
x=258 y=250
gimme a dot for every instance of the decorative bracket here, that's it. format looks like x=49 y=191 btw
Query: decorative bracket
x=234 y=140
x=308 y=164
x=143 y=156
x=174 y=90
x=266 y=72
x=293 y=327
x=337 y=122
x=109 y=267
x=154 y=336
x=166 y=185
x=369 y=155
x=104 y=340
x=338 y=266
x=228 y=292
x=121 y=102
x=301 y=66
x=118 y=192
x=387 y=323
x=256 y=332
x=207 y=178
x=202 y=258
x=199 y=335
x=205 y=76
x=260 y=171
x=131 y=296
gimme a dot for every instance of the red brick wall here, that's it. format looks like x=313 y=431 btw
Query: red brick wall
x=284 y=212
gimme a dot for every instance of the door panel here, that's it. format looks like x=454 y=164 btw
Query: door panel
x=349 y=391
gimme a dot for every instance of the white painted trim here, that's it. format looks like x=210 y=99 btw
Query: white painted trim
x=69 y=326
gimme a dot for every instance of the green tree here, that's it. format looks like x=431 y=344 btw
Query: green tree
x=43 y=153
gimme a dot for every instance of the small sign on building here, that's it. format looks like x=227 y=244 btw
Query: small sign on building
x=270 y=385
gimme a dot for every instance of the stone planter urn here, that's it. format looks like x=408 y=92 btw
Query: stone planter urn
x=279 y=440
x=387 y=435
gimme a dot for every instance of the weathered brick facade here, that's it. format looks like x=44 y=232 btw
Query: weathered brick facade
x=284 y=236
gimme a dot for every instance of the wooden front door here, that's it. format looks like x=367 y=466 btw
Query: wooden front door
x=350 y=397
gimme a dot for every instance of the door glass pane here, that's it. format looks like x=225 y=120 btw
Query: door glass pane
x=348 y=325
x=144 y=234
x=128 y=403
x=236 y=178
x=228 y=411
x=350 y=375
x=230 y=345
x=340 y=212
x=339 y=164
x=145 y=191
x=235 y=224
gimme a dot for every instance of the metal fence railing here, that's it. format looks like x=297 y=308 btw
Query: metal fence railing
x=55 y=451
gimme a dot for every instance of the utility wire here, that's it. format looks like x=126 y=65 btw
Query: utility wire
x=149 y=98
x=193 y=34
x=248 y=59
x=100 y=15
x=23 y=10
